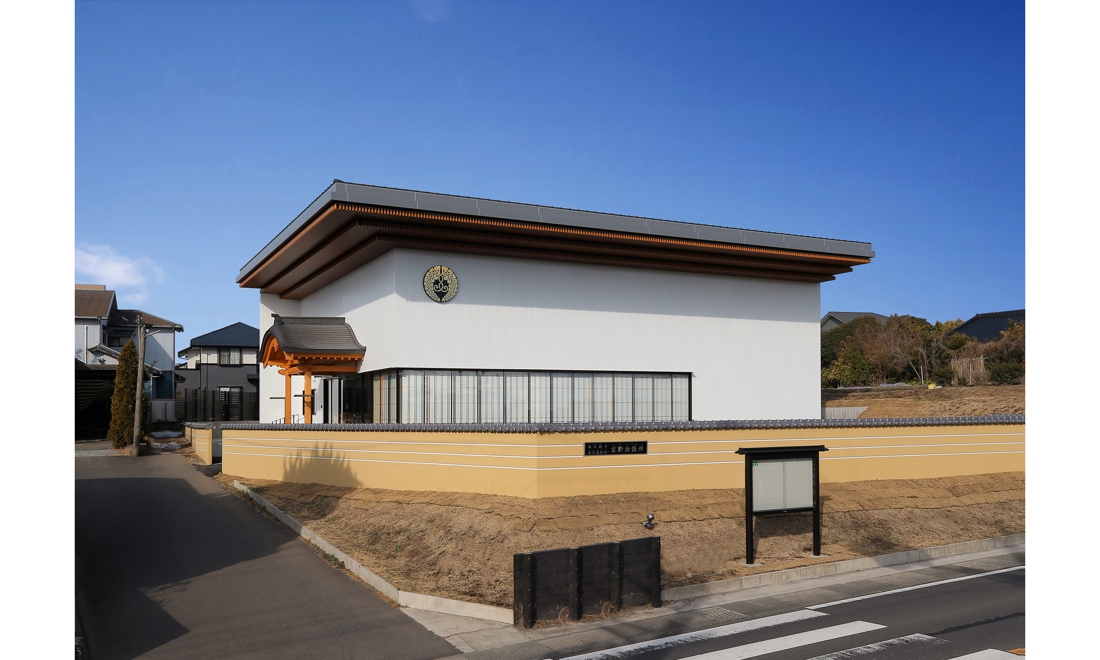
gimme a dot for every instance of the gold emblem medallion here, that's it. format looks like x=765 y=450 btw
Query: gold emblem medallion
x=440 y=283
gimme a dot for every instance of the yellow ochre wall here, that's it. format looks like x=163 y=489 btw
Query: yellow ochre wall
x=537 y=464
x=202 y=441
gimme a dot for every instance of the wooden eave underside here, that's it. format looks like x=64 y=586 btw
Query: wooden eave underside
x=345 y=236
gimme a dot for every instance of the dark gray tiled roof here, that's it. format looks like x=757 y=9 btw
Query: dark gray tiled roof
x=988 y=327
x=341 y=191
x=641 y=426
x=314 y=334
x=238 y=334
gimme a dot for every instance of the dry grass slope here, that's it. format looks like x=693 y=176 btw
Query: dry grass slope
x=460 y=545
x=921 y=402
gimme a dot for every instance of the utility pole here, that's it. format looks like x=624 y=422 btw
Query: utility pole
x=135 y=450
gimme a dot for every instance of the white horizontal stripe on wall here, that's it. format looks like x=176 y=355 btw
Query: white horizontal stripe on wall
x=579 y=467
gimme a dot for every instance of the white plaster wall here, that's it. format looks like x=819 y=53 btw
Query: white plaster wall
x=367 y=299
x=271 y=384
x=752 y=345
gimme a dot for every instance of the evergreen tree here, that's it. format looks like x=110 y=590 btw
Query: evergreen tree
x=121 y=431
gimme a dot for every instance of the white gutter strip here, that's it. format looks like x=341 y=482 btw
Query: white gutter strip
x=919 y=586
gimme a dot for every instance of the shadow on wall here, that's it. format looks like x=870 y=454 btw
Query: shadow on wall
x=320 y=465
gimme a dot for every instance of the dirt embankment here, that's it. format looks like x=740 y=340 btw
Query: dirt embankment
x=460 y=545
x=923 y=402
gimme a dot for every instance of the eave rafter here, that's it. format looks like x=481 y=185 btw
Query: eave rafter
x=345 y=236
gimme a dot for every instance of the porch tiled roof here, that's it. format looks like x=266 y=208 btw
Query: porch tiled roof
x=314 y=334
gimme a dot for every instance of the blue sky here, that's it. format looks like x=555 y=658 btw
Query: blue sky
x=203 y=128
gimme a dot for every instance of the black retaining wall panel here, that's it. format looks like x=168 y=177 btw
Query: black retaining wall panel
x=572 y=582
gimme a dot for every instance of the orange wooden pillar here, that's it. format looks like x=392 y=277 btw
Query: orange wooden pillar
x=289 y=396
x=307 y=398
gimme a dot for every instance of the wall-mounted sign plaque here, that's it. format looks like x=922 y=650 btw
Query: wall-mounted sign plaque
x=608 y=448
x=440 y=283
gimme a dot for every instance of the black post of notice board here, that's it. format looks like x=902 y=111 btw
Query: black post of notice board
x=755 y=455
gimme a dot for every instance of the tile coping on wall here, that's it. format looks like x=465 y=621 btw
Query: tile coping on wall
x=640 y=426
x=499 y=614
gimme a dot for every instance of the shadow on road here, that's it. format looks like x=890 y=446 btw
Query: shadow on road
x=137 y=540
x=170 y=565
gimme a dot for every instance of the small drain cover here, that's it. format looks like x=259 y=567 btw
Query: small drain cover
x=719 y=613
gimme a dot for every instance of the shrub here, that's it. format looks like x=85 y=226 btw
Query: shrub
x=943 y=375
x=1005 y=373
x=832 y=340
x=851 y=368
x=121 y=430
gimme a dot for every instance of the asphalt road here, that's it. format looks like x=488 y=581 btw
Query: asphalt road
x=939 y=621
x=169 y=565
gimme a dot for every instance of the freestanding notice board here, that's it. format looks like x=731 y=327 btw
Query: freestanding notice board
x=781 y=480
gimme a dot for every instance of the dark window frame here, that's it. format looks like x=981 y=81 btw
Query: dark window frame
x=225 y=356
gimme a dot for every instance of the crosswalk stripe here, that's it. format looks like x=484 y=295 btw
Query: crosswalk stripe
x=988 y=654
x=788 y=642
x=700 y=635
x=915 y=587
x=867 y=649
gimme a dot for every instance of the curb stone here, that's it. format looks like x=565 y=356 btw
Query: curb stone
x=403 y=598
x=838 y=568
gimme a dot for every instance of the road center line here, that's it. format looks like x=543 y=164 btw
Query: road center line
x=700 y=635
x=913 y=588
x=788 y=642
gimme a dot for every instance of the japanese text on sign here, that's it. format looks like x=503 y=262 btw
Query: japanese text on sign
x=607 y=448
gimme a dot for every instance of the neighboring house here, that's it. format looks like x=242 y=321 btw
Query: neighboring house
x=836 y=319
x=102 y=329
x=221 y=362
x=989 y=326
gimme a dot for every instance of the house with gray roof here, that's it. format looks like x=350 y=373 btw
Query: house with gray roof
x=101 y=330
x=221 y=365
x=990 y=325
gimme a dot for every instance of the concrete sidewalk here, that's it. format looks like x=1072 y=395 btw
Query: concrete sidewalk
x=489 y=640
x=168 y=564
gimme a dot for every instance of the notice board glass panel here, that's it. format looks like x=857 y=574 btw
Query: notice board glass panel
x=782 y=483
